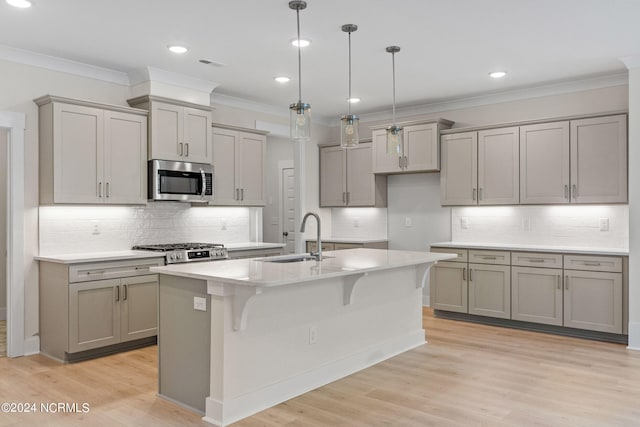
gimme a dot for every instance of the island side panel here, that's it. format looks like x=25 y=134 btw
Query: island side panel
x=183 y=341
x=275 y=358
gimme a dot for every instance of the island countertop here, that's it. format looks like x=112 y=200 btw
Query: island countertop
x=258 y=272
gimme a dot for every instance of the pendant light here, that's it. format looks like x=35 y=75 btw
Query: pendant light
x=300 y=111
x=394 y=132
x=349 y=134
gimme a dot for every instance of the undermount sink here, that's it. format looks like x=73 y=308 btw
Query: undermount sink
x=291 y=258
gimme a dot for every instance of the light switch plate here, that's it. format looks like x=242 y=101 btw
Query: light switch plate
x=199 y=303
x=407 y=221
x=464 y=222
x=604 y=224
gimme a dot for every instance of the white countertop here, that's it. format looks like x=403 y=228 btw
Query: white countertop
x=245 y=246
x=98 y=256
x=259 y=273
x=534 y=248
x=348 y=240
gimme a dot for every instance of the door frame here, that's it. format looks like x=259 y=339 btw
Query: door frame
x=282 y=165
x=15 y=123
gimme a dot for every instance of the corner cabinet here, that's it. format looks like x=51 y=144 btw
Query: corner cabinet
x=91 y=153
x=346 y=178
x=418 y=153
x=178 y=130
x=88 y=309
x=239 y=157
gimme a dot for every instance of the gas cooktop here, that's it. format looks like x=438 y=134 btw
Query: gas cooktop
x=187 y=252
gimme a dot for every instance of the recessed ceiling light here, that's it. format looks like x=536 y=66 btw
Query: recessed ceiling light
x=353 y=100
x=497 y=74
x=19 y=3
x=177 y=49
x=282 y=79
x=303 y=42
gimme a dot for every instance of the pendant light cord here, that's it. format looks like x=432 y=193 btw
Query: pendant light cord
x=393 y=65
x=299 y=60
x=349 y=98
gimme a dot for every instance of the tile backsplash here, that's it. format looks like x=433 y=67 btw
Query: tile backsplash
x=561 y=225
x=359 y=223
x=75 y=229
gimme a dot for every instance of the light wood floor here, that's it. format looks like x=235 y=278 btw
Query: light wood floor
x=3 y=338
x=466 y=375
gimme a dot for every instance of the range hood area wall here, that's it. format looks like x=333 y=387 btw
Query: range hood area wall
x=77 y=229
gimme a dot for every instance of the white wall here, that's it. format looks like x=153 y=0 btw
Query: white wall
x=3 y=222
x=358 y=223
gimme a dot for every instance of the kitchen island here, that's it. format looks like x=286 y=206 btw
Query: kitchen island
x=239 y=336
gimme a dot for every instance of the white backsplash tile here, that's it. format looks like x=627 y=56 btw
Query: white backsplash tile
x=74 y=229
x=360 y=223
x=568 y=225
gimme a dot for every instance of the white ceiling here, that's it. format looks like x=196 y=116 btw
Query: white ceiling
x=448 y=47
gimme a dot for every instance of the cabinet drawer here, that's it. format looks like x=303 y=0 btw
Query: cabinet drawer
x=593 y=263
x=111 y=269
x=462 y=253
x=535 y=259
x=490 y=257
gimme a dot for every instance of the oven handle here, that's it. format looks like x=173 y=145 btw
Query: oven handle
x=204 y=184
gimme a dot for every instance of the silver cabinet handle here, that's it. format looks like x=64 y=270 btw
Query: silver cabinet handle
x=536 y=260
x=400 y=162
x=406 y=161
x=124 y=292
x=566 y=191
x=471 y=274
x=566 y=282
x=96 y=272
x=242 y=194
x=480 y=193
x=237 y=194
x=344 y=197
x=464 y=274
x=186 y=149
x=181 y=148
x=574 y=191
x=108 y=192
x=591 y=264
x=100 y=189
x=117 y=292
x=348 y=194
x=204 y=183
x=558 y=281
x=474 y=194
x=489 y=257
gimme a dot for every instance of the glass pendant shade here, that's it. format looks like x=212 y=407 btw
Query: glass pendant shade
x=394 y=140
x=300 y=120
x=349 y=132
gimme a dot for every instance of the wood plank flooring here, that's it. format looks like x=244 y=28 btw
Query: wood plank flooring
x=3 y=338
x=468 y=374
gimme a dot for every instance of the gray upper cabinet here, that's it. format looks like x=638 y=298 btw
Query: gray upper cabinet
x=418 y=153
x=459 y=176
x=599 y=160
x=498 y=167
x=178 y=130
x=91 y=153
x=346 y=178
x=544 y=163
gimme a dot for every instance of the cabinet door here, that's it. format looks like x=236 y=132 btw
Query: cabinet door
x=94 y=314
x=139 y=307
x=360 y=180
x=421 y=148
x=225 y=191
x=250 y=164
x=333 y=176
x=448 y=286
x=498 y=167
x=78 y=146
x=536 y=295
x=459 y=177
x=125 y=158
x=490 y=290
x=599 y=160
x=197 y=135
x=544 y=163
x=593 y=301
x=383 y=161
x=166 y=131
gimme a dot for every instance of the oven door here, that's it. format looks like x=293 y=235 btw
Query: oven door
x=180 y=181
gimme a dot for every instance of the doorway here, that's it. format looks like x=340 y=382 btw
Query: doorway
x=288 y=209
x=4 y=139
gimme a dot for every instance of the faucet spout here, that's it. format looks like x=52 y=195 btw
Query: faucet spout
x=318 y=254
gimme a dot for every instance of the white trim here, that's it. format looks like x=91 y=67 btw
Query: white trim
x=634 y=336
x=153 y=74
x=15 y=122
x=426 y=299
x=64 y=65
x=506 y=96
x=231 y=410
x=282 y=165
x=632 y=61
x=31 y=346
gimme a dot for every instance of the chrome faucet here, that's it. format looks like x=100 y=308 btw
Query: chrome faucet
x=318 y=254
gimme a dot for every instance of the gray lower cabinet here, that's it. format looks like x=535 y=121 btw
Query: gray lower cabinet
x=449 y=286
x=593 y=300
x=78 y=313
x=330 y=245
x=490 y=290
x=536 y=295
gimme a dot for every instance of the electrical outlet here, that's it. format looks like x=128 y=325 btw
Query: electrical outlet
x=356 y=222
x=224 y=225
x=464 y=222
x=407 y=221
x=313 y=334
x=604 y=224
x=199 y=303
x=96 y=229
x=526 y=223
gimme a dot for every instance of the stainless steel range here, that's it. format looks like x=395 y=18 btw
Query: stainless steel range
x=176 y=253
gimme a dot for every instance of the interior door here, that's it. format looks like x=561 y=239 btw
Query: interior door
x=288 y=210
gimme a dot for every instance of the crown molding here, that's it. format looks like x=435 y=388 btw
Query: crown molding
x=506 y=96
x=632 y=61
x=63 y=65
x=152 y=74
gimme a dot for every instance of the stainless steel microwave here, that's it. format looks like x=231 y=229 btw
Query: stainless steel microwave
x=180 y=181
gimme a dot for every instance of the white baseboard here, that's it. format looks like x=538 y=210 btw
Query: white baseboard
x=3 y=313
x=31 y=346
x=223 y=413
x=634 y=336
x=426 y=300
